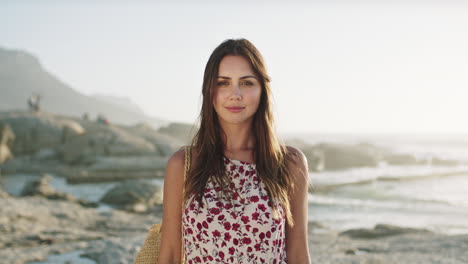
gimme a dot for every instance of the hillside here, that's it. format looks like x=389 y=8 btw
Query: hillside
x=21 y=75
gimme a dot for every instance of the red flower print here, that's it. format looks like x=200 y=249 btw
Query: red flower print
x=257 y=247
x=237 y=225
x=262 y=235
x=233 y=215
x=255 y=216
x=216 y=233
x=215 y=211
x=261 y=207
x=246 y=240
x=254 y=199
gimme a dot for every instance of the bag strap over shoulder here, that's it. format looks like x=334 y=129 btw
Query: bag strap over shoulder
x=186 y=171
x=187 y=163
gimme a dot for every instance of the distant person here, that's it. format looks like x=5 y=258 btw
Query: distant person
x=101 y=119
x=34 y=102
x=85 y=116
x=245 y=194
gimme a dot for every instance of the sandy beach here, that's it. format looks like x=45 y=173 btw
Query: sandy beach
x=39 y=230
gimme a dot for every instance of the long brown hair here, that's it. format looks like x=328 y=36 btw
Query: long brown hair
x=207 y=145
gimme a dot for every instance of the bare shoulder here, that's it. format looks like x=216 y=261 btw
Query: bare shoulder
x=175 y=166
x=296 y=159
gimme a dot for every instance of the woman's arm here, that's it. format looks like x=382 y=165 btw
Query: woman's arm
x=171 y=241
x=297 y=249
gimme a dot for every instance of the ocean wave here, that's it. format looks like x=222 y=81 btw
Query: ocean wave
x=325 y=181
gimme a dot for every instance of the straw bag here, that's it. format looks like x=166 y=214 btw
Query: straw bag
x=149 y=253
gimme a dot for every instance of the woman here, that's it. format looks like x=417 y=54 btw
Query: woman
x=245 y=193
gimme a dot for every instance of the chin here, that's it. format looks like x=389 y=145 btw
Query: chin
x=236 y=121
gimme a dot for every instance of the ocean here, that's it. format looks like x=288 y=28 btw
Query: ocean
x=422 y=196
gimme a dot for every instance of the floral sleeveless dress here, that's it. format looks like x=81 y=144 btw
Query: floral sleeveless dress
x=243 y=231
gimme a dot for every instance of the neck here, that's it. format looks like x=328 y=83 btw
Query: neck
x=238 y=137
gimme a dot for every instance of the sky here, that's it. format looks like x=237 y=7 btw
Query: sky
x=336 y=66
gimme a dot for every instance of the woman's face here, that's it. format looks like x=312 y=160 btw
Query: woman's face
x=237 y=91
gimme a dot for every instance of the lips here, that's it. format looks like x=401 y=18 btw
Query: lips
x=235 y=109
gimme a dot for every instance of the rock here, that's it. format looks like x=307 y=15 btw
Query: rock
x=36 y=130
x=32 y=228
x=443 y=162
x=121 y=168
x=3 y=194
x=135 y=196
x=183 y=132
x=165 y=144
x=5 y=153
x=43 y=188
x=103 y=140
x=400 y=159
x=326 y=156
x=7 y=138
x=114 y=249
x=39 y=187
x=30 y=165
x=381 y=230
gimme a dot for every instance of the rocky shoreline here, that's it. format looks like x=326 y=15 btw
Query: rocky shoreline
x=35 y=228
x=41 y=222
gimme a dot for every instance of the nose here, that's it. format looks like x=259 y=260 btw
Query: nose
x=236 y=93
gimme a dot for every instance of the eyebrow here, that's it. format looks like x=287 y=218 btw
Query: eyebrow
x=243 y=77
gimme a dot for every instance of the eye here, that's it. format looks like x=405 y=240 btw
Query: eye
x=247 y=83
x=222 y=83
